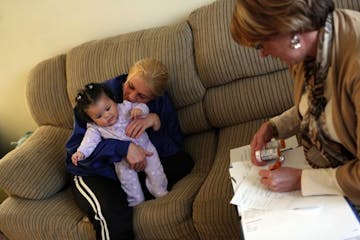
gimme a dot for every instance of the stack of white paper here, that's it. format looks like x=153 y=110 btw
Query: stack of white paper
x=272 y=215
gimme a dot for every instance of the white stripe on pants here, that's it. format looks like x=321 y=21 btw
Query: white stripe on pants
x=92 y=200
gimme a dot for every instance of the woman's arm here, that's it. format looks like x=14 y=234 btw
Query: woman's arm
x=169 y=139
x=288 y=123
x=143 y=121
x=138 y=126
x=348 y=175
x=162 y=126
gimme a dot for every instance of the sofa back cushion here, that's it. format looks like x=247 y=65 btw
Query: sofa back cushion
x=99 y=60
x=219 y=59
x=348 y=4
x=241 y=86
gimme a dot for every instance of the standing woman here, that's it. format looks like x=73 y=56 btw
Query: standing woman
x=96 y=188
x=321 y=45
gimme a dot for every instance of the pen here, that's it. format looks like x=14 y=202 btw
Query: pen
x=286 y=149
x=306 y=208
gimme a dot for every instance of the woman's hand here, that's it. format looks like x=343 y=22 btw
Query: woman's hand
x=261 y=137
x=136 y=157
x=138 y=126
x=135 y=113
x=284 y=179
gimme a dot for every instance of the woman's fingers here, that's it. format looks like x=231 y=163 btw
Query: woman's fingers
x=283 y=179
x=140 y=166
x=264 y=173
x=135 y=128
x=137 y=157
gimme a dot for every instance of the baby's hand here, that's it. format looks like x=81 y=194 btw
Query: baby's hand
x=78 y=156
x=135 y=113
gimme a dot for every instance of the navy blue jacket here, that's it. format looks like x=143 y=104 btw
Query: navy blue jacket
x=167 y=140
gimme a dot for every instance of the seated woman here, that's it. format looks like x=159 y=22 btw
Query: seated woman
x=321 y=46
x=96 y=188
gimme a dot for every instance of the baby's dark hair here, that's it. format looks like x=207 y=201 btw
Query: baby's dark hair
x=89 y=95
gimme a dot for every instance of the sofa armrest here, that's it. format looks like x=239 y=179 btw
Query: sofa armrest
x=36 y=169
x=46 y=93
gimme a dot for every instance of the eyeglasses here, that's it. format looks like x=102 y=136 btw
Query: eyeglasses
x=258 y=46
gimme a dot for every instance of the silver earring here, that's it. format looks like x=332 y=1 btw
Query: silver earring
x=295 y=42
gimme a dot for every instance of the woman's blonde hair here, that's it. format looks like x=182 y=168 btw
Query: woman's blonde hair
x=153 y=72
x=254 y=21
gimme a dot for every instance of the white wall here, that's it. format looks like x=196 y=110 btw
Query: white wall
x=31 y=31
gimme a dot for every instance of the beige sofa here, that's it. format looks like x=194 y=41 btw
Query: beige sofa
x=222 y=93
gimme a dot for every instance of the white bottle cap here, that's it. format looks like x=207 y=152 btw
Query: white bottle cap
x=258 y=155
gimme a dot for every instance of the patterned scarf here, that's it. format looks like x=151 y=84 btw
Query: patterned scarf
x=320 y=151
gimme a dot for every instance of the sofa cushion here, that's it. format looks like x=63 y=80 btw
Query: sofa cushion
x=214 y=217
x=36 y=174
x=249 y=99
x=57 y=217
x=349 y=4
x=241 y=86
x=219 y=59
x=193 y=119
x=99 y=60
x=46 y=93
x=170 y=217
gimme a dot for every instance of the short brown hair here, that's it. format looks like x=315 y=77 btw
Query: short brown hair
x=257 y=20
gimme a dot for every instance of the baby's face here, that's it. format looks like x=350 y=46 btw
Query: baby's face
x=104 y=112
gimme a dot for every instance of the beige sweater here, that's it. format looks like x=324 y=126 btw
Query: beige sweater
x=343 y=87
